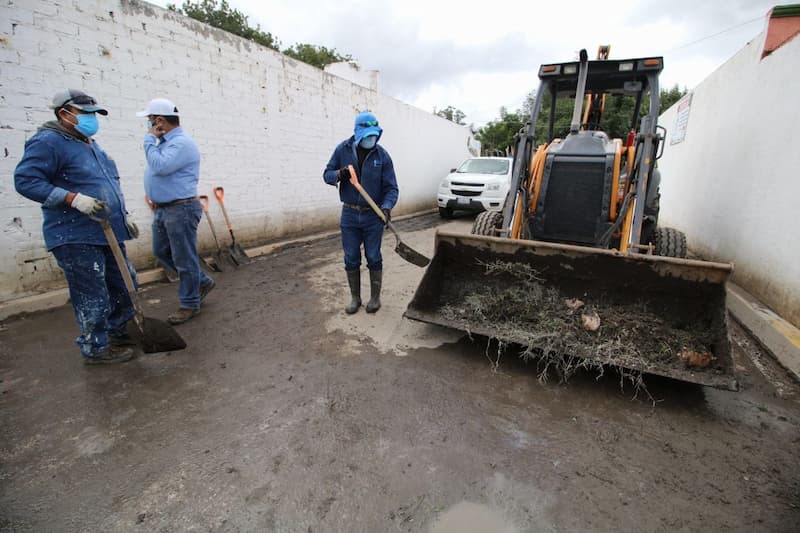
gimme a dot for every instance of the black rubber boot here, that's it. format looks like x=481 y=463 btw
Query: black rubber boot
x=354 y=280
x=375 y=281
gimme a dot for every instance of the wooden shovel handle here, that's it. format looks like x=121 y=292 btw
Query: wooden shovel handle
x=354 y=182
x=219 y=192
x=203 y=201
x=122 y=266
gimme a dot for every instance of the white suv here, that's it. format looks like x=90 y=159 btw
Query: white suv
x=479 y=184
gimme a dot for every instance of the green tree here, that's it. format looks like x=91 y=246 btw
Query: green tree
x=221 y=15
x=670 y=97
x=318 y=56
x=452 y=114
x=499 y=134
x=617 y=116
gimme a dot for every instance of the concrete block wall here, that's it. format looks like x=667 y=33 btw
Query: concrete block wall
x=265 y=124
x=732 y=185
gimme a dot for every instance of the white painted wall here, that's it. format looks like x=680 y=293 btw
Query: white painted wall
x=353 y=72
x=265 y=124
x=733 y=184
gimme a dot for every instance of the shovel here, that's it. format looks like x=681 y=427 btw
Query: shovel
x=401 y=248
x=237 y=254
x=219 y=258
x=155 y=335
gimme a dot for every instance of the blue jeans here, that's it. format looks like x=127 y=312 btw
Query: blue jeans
x=97 y=291
x=361 y=227
x=175 y=245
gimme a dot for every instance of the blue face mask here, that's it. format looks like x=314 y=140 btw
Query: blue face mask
x=87 y=124
x=368 y=143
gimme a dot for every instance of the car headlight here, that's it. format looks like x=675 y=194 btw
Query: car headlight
x=493 y=187
x=446 y=183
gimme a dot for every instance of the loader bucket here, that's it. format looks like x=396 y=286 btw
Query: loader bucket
x=657 y=315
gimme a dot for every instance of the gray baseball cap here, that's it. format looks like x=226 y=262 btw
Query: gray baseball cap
x=77 y=99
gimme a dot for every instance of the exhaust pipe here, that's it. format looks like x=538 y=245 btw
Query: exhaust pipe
x=580 y=92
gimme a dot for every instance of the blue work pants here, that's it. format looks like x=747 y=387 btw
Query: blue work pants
x=175 y=245
x=97 y=291
x=361 y=227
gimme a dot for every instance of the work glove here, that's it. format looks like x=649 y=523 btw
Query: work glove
x=87 y=205
x=387 y=213
x=133 y=229
x=343 y=174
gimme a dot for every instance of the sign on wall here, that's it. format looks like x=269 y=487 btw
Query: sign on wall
x=681 y=119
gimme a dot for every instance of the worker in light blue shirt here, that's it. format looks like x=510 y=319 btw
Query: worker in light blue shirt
x=170 y=181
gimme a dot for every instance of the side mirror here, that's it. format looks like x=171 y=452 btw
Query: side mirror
x=452 y=170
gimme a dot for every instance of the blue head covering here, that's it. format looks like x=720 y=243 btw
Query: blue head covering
x=366 y=124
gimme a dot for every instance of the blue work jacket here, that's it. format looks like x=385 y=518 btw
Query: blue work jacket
x=376 y=175
x=56 y=162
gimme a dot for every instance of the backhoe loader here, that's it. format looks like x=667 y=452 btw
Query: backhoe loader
x=575 y=270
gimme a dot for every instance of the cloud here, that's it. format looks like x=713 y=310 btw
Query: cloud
x=479 y=58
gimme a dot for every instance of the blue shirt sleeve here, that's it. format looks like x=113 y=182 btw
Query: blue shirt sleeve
x=33 y=175
x=389 y=183
x=330 y=174
x=166 y=158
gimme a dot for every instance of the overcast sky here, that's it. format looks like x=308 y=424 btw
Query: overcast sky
x=477 y=58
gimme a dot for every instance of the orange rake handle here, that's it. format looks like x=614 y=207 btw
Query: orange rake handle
x=203 y=201
x=219 y=192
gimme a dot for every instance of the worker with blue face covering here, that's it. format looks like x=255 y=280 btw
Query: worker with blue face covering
x=359 y=223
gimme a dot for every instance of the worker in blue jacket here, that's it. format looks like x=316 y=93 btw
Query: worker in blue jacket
x=359 y=223
x=64 y=169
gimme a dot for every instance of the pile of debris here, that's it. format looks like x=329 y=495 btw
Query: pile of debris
x=571 y=332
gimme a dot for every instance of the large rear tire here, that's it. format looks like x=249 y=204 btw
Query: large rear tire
x=487 y=222
x=669 y=242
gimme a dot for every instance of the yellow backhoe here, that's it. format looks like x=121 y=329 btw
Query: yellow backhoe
x=575 y=270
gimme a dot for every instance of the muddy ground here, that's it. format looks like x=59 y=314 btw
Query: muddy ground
x=284 y=414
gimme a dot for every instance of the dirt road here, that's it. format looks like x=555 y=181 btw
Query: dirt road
x=284 y=414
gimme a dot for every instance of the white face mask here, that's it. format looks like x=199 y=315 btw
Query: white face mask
x=369 y=142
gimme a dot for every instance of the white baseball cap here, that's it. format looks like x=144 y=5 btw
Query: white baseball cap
x=161 y=107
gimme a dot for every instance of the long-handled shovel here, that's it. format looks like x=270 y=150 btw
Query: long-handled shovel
x=402 y=249
x=219 y=259
x=237 y=253
x=155 y=335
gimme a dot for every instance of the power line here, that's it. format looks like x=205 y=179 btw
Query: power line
x=716 y=34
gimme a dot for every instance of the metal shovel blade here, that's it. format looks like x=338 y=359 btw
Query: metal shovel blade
x=154 y=336
x=238 y=255
x=408 y=253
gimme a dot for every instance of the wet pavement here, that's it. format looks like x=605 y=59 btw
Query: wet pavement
x=285 y=414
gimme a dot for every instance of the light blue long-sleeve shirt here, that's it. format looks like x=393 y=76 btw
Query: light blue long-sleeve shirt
x=173 y=166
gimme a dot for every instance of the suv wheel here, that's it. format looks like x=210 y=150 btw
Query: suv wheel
x=445 y=212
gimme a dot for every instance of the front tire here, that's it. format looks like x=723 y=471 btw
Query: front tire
x=669 y=242
x=486 y=223
x=446 y=213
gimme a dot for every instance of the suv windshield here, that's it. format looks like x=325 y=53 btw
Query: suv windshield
x=484 y=166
